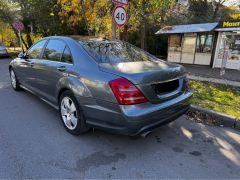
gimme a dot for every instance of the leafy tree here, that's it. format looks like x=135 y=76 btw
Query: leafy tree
x=7 y=35
x=201 y=11
x=91 y=17
x=145 y=16
x=8 y=14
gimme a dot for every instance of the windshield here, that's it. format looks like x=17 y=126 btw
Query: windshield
x=115 y=52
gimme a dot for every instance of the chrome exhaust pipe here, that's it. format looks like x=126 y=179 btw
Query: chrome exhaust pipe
x=145 y=134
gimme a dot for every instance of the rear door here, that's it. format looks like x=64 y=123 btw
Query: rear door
x=55 y=63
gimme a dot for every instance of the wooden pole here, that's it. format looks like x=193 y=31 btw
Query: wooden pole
x=113 y=30
x=113 y=24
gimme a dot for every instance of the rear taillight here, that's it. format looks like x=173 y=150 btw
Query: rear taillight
x=126 y=93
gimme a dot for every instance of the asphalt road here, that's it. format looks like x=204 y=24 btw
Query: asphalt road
x=34 y=144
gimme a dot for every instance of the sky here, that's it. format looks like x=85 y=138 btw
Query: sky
x=227 y=3
x=230 y=2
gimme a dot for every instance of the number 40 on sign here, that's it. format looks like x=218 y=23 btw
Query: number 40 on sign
x=120 y=16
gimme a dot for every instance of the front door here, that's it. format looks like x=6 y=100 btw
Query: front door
x=26 y=66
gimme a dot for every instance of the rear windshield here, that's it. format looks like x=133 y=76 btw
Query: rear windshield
x=116 y=52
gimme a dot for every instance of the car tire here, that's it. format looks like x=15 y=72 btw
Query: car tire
x=14 y=80
x=71 y=114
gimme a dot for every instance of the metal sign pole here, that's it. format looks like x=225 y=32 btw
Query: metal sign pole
x=18 y=25
x=20 y=39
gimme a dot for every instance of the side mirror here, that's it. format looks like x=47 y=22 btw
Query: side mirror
x=22 y=55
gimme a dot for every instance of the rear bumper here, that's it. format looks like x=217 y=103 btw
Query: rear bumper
x=135 y=119
x=162 y=117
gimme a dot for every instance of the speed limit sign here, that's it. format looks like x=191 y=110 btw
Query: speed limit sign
x=120 y=16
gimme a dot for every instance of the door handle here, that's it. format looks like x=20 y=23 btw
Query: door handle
x=61 y=68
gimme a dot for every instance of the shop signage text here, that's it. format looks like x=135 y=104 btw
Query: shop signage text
x=229 y=24
x=235 y=16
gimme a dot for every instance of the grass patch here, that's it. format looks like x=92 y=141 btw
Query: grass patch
x=216 y=97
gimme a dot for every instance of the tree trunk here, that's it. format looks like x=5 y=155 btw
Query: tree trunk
x=143 y=35
x=216 y=11
x=143 y=26
x=84 y=16
x=28 y=35
x=16 y=34
x=24 y=43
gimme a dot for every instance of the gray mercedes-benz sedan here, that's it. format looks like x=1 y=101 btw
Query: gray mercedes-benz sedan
x=105 y=84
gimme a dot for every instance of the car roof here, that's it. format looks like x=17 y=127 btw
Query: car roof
x=83 y=38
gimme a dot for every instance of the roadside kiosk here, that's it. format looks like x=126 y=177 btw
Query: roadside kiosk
x=203 y=44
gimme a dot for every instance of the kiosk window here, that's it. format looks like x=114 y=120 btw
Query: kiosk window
x=204 y=43
x=233 y=41
x=175 y=42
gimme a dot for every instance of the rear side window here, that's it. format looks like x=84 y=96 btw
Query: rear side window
x=54 y=50
x=67 y=57
x=35 y=51
x=116 y=52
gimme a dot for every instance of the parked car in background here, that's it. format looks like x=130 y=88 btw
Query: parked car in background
x=3 y=51
x=106 y=84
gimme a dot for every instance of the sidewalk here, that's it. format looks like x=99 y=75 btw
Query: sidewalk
x=208 y=72
x=214 y=80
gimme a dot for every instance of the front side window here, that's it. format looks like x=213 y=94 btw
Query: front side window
x=35 y=51
x=54 y=50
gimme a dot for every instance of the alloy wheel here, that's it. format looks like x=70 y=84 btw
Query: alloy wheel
x=13 y=79
x=69 y=113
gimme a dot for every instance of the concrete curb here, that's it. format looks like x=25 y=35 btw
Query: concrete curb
x=214 y=80
x=225 y=120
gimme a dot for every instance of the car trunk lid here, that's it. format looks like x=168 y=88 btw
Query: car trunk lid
x=159 y=81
